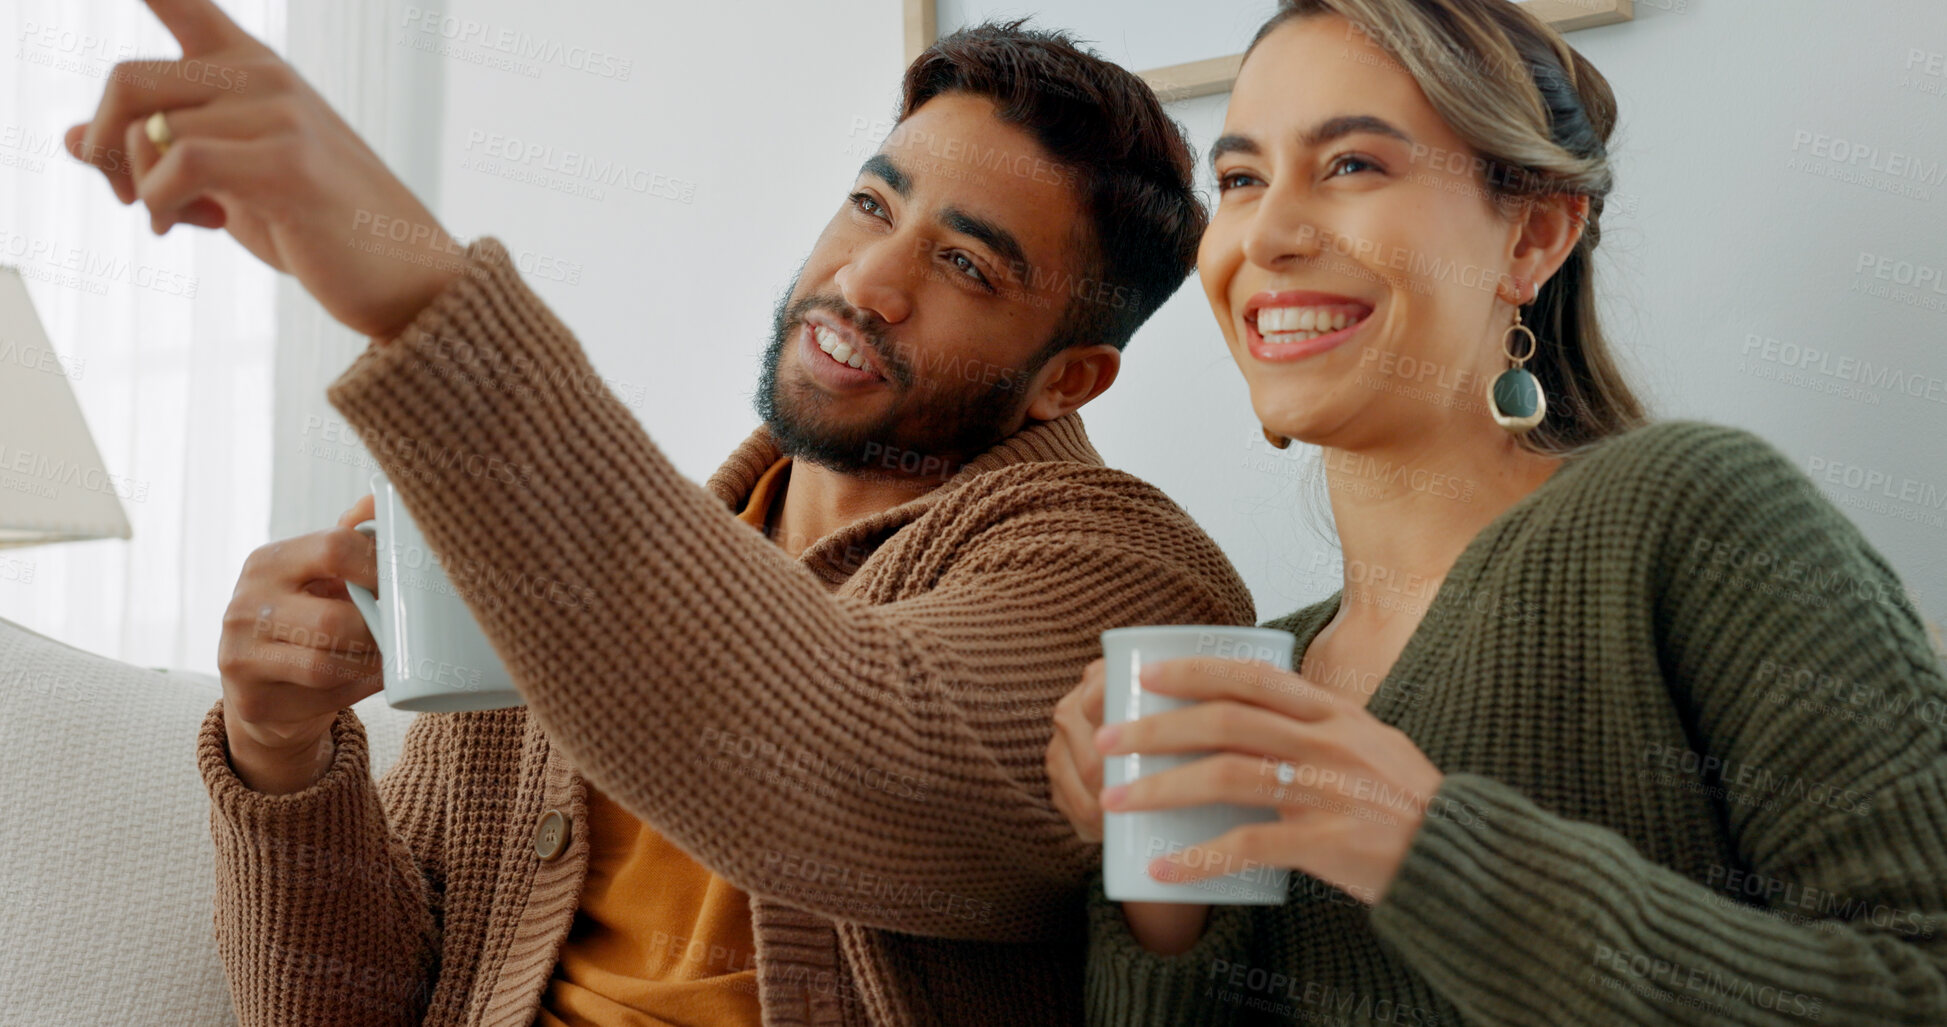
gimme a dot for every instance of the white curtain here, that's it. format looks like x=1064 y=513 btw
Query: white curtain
x=197 y=368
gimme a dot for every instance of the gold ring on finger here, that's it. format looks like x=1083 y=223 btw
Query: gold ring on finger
x=158 y=129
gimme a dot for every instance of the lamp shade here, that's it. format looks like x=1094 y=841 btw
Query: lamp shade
x=53 y=487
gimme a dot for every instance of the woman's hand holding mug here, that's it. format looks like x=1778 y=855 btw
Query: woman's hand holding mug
x=1350 y=791
x=252 y=148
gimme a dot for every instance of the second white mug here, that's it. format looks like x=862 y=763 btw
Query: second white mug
x=437 y=660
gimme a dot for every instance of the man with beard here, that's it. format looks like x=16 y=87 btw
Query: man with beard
x=782 y=753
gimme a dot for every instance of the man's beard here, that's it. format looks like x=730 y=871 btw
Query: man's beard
x=938 y=421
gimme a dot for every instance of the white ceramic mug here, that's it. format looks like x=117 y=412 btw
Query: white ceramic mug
x=1131 y=840
x=437 y=660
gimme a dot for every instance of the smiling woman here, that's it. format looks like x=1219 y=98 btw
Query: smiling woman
x=1535 y=742
x=1474 y=155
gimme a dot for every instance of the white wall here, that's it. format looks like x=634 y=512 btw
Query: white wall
x=749 y=114
x=1714 y=237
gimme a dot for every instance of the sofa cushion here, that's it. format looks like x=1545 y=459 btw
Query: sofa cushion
x=106 y=867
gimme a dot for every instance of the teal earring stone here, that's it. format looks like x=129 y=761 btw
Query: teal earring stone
x=1516 y=400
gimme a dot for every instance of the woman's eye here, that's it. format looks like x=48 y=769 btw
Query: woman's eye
x=1233 y=180
x=1348 y=159
x=865 y=203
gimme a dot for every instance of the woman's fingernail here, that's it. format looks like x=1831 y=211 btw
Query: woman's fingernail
x=1106 y=737
x=1162 y=870
x=1113 y=796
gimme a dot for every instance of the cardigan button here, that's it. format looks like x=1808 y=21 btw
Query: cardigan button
x=551 y=836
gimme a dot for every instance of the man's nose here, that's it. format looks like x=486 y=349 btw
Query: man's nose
x=879 y=278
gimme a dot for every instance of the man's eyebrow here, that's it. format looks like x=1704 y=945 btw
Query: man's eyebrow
x=993 y=236
x=881 y=165
x=1320 y=134
x=996 y=238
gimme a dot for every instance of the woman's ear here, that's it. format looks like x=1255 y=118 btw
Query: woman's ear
x=1075 y=376
x=1546 y=232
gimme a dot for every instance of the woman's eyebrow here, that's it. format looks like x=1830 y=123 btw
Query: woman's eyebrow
x=1233 y=144
x=1318 y=135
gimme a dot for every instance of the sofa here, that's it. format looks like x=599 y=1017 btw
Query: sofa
x=106 y=865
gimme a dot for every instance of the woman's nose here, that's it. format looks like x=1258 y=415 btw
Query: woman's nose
x=1280 y=232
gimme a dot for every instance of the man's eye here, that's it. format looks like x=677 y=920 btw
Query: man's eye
x=966 y=265
x=870 y=206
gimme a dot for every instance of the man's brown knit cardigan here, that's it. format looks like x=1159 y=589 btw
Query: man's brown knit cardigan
x=855 y=738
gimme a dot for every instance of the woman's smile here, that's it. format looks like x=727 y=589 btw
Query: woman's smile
x=1295 y=324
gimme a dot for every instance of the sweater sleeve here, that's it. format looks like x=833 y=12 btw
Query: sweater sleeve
x=1130 y=986
x=326 y=911
x=1832 y=911
x=882 y=764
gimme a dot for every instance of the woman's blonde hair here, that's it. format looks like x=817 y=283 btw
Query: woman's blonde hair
x=1538 y=117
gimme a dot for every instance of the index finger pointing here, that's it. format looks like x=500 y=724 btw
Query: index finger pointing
x=199 y=25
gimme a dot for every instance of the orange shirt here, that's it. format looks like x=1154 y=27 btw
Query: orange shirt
x=658 y=941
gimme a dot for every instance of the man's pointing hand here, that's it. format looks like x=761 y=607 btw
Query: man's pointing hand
x=251 y=148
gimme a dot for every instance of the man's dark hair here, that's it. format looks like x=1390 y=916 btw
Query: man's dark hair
x=1129 y=163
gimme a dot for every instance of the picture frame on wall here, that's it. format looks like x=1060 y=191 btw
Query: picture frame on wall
x=1215 y=74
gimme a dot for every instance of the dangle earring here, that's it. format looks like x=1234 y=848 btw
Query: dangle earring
x=1276 y=440
x=1515 y=397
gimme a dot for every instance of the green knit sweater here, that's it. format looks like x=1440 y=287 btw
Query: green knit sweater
x=1696 y=773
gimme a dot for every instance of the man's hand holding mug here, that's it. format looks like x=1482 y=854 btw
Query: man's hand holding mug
x=295 y=651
